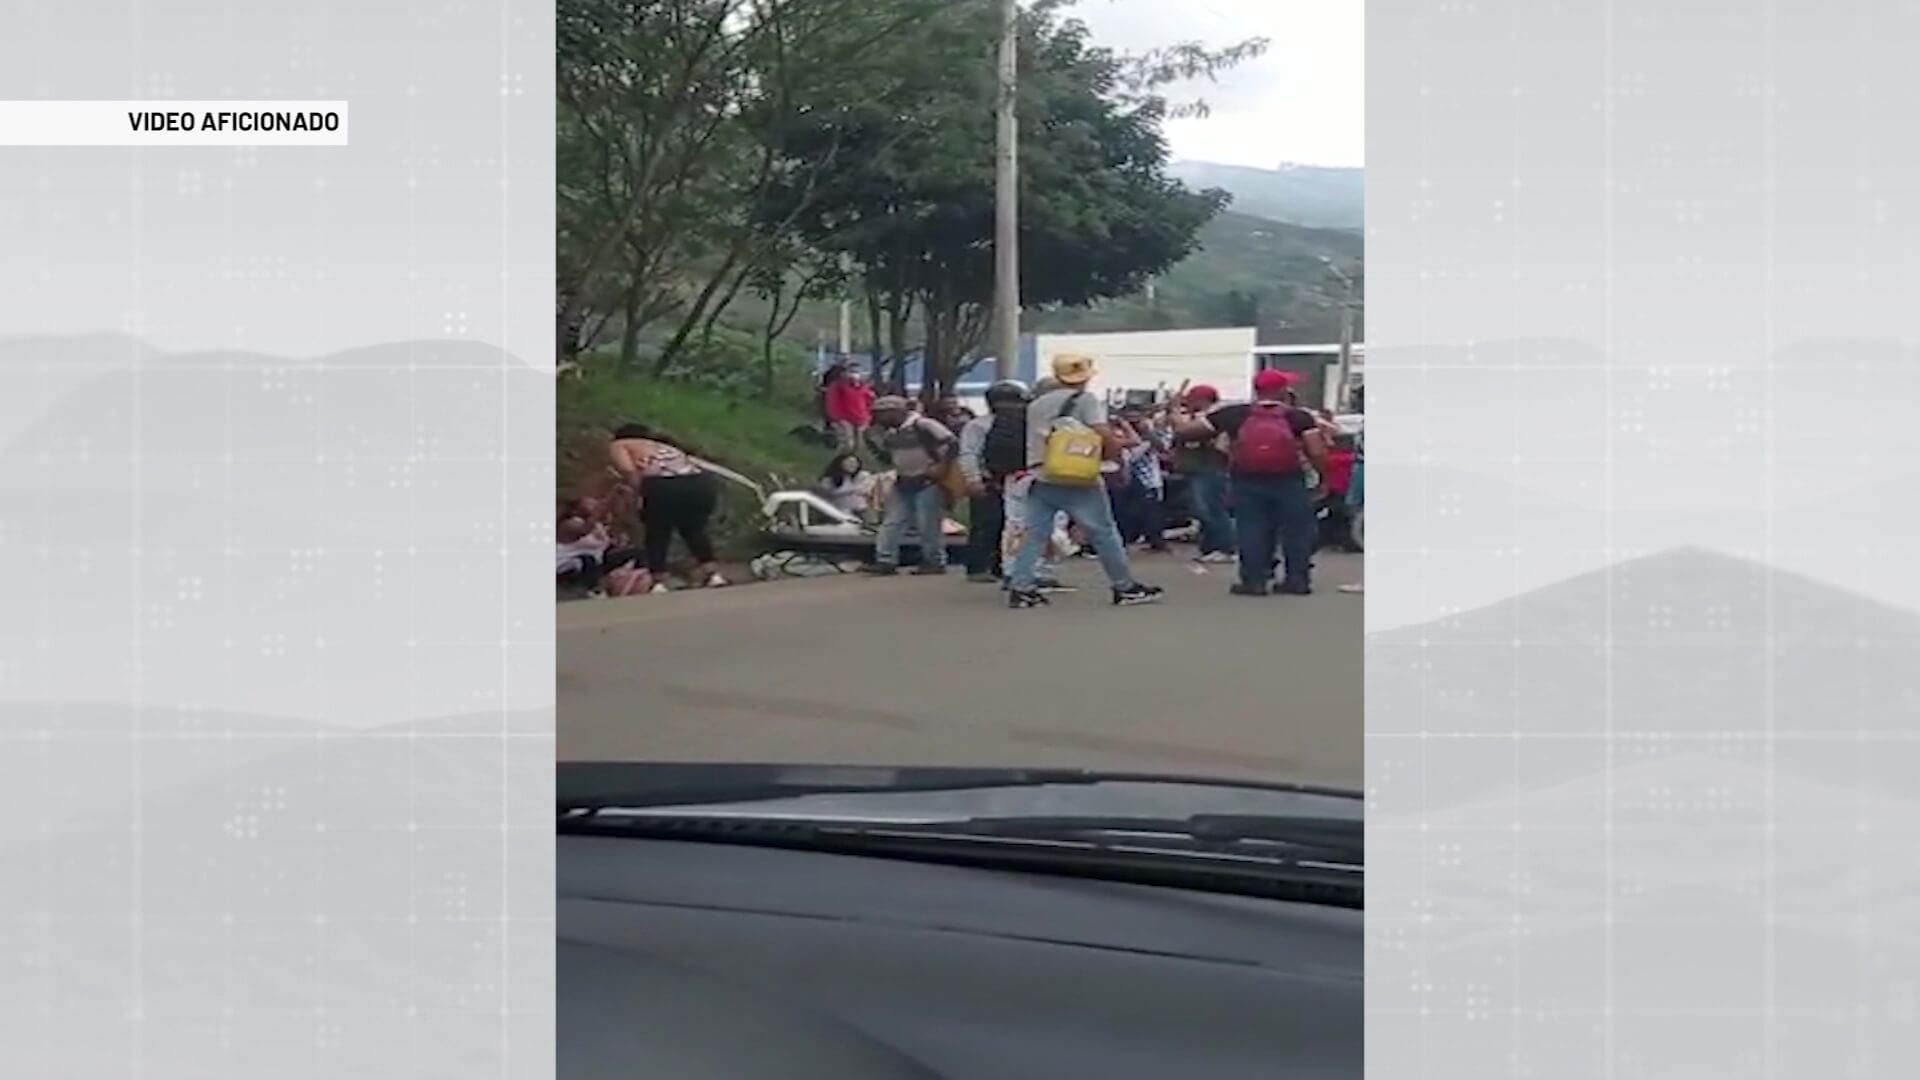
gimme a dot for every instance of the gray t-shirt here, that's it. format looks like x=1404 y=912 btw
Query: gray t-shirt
x=915 y=447
x=1046 y=408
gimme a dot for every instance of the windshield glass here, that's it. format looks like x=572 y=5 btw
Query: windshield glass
x=818 y=516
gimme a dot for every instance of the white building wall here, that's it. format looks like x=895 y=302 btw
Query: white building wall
x=1152 y=359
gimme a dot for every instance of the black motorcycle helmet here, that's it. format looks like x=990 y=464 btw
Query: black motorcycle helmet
x=1007 y=392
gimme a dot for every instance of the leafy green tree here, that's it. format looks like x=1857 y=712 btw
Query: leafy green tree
x=908 y=192
x=672 y=116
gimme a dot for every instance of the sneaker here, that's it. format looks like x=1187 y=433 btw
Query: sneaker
x=1017 y=599
x=1051 y=585
x=658 y=588
x=1295 y=588
x=880 y=569
x=1241 y=588
x=714 y=581
x=1137 y=594
x=596 y=594
x=1216 y=557
x=1355 y=588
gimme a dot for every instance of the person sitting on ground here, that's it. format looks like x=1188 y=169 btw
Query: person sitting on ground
x=916 y=448
x=676 y=495
x=847 y=485
x=587 y=549
x=1272 y=445
x=1068 y=440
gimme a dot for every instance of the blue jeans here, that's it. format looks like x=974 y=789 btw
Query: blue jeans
x=1272 y=512
x=1207 y=491
x=922 y=506
x=1089 y=507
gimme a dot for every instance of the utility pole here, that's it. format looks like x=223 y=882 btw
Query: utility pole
x=1006 y=187
x=1343 y=371
x=1343 y=392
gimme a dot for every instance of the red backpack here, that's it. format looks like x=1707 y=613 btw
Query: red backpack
x=1265 y=445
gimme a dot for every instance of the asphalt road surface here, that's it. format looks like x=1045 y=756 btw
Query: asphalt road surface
x=939 y=672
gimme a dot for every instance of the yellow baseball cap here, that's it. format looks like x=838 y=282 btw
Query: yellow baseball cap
x=1073 y=369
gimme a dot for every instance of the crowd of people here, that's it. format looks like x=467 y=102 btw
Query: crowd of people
x=1047 y=473
x=1266 y=481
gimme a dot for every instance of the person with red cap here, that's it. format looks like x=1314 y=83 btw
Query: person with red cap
x=1203 y=461
x=1271 y=445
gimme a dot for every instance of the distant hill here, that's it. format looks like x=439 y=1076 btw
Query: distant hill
x=1321 y=196
x=1249 y=271
x=1260 y=263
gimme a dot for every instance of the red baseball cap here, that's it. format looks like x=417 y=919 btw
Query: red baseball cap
x=1202 y=390
x=1270 y=380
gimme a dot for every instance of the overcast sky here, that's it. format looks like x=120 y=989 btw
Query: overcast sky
x=1303 y=102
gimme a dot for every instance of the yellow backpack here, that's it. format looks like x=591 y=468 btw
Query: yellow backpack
x=1074 y=450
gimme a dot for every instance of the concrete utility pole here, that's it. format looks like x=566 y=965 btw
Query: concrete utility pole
x=1343 y=371
x=1006 y=217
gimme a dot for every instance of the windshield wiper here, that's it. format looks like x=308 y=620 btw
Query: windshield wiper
x=1295 y=835
x=1289 y=859
x=590 y=786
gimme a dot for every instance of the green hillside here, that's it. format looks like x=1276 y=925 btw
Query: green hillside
x=1319 y=196
x=1248 y=271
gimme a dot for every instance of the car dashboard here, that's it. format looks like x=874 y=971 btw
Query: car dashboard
x=701 y=961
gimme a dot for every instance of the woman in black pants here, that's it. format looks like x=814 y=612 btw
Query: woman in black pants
x=676 y=496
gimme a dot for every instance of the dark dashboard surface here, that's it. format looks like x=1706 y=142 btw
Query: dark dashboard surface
x=697 y=961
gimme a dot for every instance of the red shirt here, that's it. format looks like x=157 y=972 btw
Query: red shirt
x=849 y=402
x=1339 y=471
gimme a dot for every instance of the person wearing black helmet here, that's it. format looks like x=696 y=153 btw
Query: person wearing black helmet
x=992 y=448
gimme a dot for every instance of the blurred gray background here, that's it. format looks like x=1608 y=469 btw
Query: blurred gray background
x=1641 y=670
x=276 y=664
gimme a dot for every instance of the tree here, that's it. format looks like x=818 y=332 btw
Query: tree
x=909 y=193
x=671 y=118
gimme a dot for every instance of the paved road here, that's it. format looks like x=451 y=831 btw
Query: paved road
x=921 y=671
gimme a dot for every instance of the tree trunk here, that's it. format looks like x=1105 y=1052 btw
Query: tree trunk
x=567 y=328
x=770 y=332
x=933 y=354
x=874 y=344
x=630 y=329
x=899 y=314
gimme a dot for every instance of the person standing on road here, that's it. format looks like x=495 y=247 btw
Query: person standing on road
x=1271 y=444
x=993 y=449
x=676 y=496
x=916 y=448
x=1142 y=505
x=1068 y=439
x=1203 y=461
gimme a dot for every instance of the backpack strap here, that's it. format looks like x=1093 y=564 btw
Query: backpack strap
x=1073 y=399
x=934 y=446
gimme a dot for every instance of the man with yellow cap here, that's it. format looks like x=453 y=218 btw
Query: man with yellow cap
x=1068 y=439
